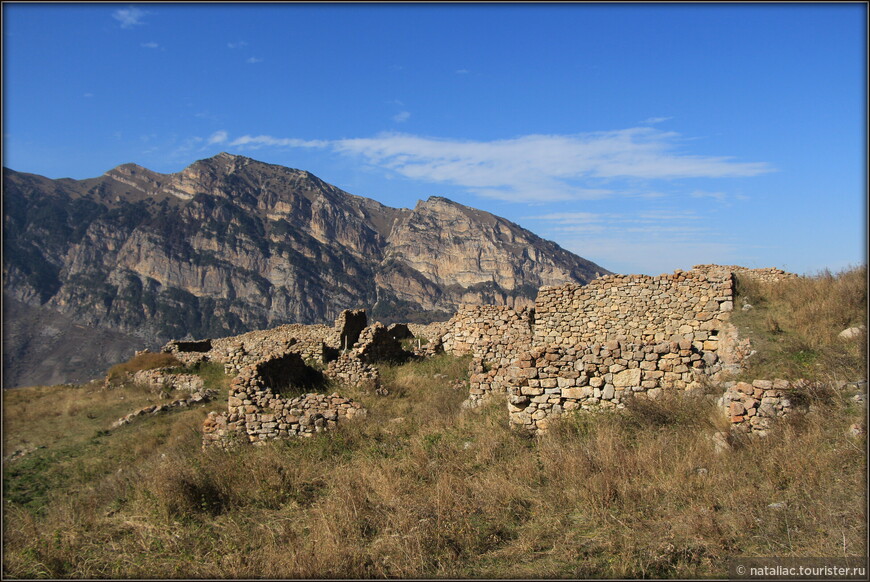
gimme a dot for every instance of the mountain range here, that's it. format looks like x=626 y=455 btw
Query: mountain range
x=95 y=268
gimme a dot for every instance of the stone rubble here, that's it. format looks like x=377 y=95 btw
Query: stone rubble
x=195 y=398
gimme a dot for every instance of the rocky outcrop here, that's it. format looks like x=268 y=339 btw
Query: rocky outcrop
x=230 y=244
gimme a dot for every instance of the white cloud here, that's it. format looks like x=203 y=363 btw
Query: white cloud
x=151 y=45
x=217 y=137
x=654 y=120
x=129 y=17
x=238 y=44
x=256 y=142
x=402 y=117
x=544 y=167
x=703 y=194
x=534 y=168
x=88 y=95
x=252 y=60
x=462 y=71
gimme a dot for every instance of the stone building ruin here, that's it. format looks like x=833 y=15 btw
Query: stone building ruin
x=581 y=347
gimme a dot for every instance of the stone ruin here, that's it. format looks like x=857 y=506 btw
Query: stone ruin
x=581 y=347
x=265 y=402
x=591 y=347
x=277 y=372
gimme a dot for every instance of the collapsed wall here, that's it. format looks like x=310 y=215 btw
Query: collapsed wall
x=266 y=399
x=580 y=348
x=264 y=404
x=764 y=275
x=314 y=343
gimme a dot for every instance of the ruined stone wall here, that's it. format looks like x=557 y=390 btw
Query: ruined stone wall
x=257 y=411
x=309 y=341
x=766 y=275
x=159 y=379
x=430 y=331
x=493 y=333
x=348 y=325
x=548 y=381
x=355 y=367
x=689 y=305
x=752 y=408
x=592 y=346
x=316 y=343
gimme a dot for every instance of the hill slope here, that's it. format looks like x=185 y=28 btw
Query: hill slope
x=230 y=244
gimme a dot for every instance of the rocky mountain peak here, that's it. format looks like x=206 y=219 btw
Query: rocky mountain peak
x=231 y=244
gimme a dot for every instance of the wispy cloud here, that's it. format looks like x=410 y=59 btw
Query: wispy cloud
x=545 y=167
x=654 y=120
x=217 y=137
x=650 y=241
x=402 y=117
x=256 y=142
x=462 y=71
x=237 y=44
x=534 y=168
x=150 y=45
x=252 y=60
x=88 y=95
x=704 y=194
x=129 y=17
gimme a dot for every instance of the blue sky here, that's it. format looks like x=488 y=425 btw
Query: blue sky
x=643 y=137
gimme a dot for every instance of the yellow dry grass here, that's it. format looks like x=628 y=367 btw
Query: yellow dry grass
x=425 y=489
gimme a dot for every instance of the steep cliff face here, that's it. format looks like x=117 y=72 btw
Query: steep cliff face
x=230 y=244
x=444 y=253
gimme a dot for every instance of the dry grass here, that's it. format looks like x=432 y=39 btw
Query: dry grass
x=425 y=489
x=446 y=492
x=795 y=325
x=146 y=361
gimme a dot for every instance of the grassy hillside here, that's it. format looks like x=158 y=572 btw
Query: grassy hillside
x=424 y=488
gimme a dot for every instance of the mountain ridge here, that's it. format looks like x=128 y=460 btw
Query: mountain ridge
x=230 y=244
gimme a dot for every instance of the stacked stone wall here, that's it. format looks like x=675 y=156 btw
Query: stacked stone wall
x=257 y=411
x=690 y=305
x=160 y=379
x=765 y=275
x=549 y=381
x=348 y=326
x=356 y=367
x=315 y=343
x=593 y=346
x=496 y=334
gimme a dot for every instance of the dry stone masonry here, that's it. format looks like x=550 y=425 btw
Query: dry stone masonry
x=155 y=409
x=550 y=380
x=593 y=346
x=766 y=275
x=265 y=400
x=687 y=305
x=262 y=406
x=494 y=333
x=162 y=379
x=582 y=347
